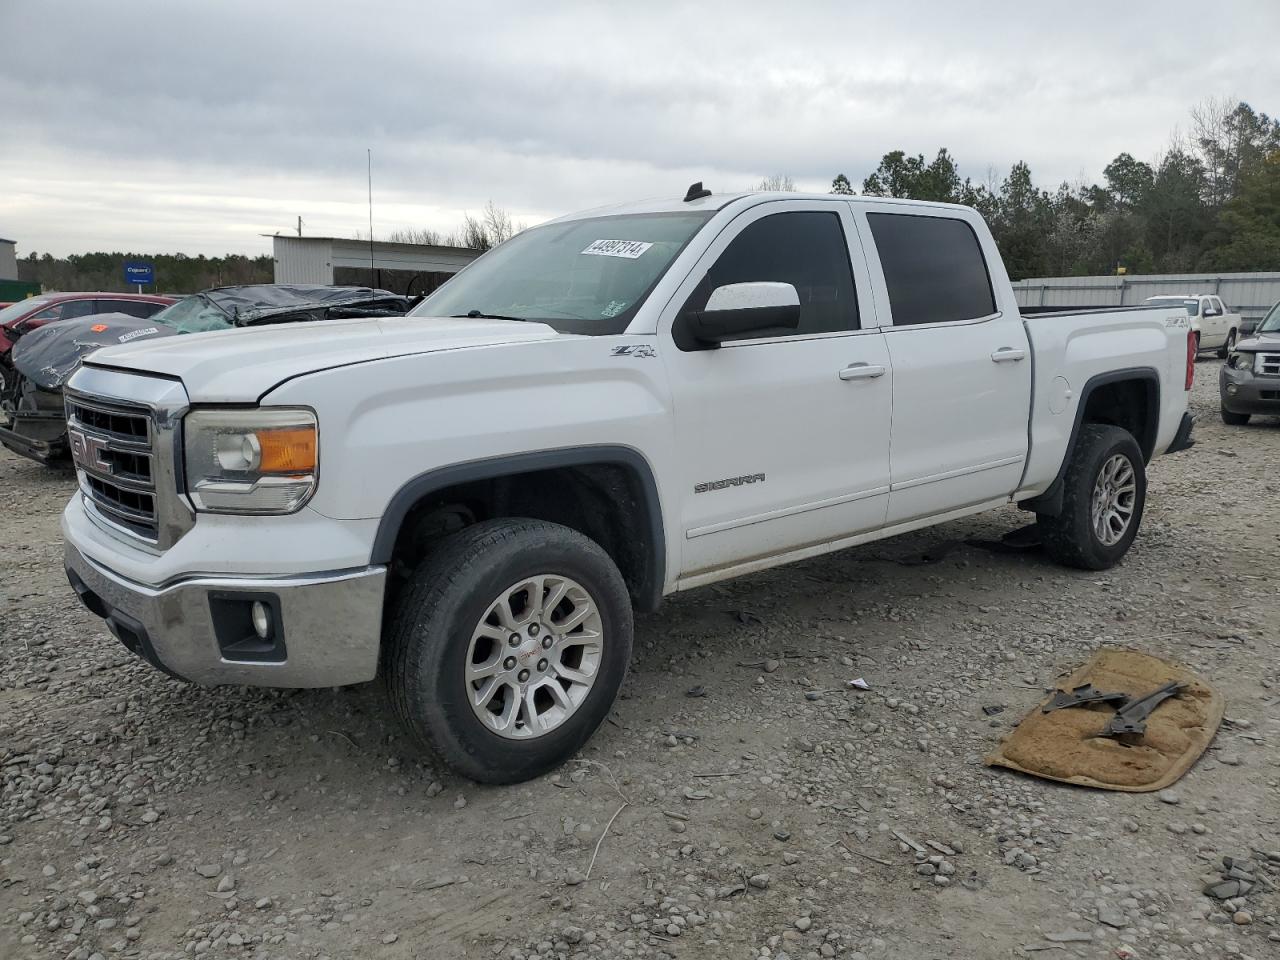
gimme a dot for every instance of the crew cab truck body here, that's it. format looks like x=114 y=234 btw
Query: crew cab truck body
x=1216 y=327
x=470 y=505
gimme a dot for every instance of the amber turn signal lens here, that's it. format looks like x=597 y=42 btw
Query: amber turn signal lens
x=288 y=451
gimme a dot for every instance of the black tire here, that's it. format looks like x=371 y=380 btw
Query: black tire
x=1070 y=538
x=425 y=644
x=1234 y=419
x=1225 y=350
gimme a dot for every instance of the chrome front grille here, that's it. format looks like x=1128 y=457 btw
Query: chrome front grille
x=125 y=431
x=111 y=444
x=1268 y=364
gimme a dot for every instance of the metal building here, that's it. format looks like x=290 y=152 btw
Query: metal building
x=1249 y=294
x=8 y=260
x=408 y=268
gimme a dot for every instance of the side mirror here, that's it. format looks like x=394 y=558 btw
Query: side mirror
x=738 y=309
x=1209 y=312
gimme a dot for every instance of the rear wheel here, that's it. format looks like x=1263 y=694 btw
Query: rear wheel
x=508 y=648
x=1234 y=419
x=1105 y=489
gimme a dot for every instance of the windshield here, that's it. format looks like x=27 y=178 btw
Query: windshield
x=22 y=308
x=582 y=276
x=193 y=315
x=1271 y=322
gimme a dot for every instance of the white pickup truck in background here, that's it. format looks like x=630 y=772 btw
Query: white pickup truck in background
x=603 y=410
x=1216 y=328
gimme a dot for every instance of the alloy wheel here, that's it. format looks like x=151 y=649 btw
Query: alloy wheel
x=1115 y=494
x=534 y=656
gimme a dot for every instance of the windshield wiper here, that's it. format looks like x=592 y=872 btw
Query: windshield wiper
x=481 y=315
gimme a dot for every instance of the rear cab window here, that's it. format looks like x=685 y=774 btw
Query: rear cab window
x=933 y=267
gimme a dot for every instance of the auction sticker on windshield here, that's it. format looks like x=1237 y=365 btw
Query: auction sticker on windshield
x=627 y=249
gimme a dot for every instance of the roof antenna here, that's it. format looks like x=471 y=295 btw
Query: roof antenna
x=696 y=192
x=373 y=282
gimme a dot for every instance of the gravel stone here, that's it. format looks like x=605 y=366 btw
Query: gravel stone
x=124 y=782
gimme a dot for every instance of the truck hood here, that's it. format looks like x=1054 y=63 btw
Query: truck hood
x=239 y=366
x=1260 y=341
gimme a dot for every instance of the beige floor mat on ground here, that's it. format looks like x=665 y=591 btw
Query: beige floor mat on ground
x=1065 y=745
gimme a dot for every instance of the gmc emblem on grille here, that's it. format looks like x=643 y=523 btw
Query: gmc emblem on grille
x=89 y=452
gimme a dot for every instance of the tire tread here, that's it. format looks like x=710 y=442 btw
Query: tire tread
x=1067 y=537
x=439 y=579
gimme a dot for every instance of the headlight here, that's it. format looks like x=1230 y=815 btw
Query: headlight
x=1240 y=361
x=251 y=461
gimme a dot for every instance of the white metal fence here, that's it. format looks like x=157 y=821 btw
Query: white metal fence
x=1249 y=294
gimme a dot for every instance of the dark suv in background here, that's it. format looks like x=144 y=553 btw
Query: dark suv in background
x=1249 y=384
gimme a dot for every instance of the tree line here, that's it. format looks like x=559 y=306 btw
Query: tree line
x=175 y=272
x=1210 y=202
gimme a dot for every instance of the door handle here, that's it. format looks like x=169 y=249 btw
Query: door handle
x=862 y=371
x=1007 y=354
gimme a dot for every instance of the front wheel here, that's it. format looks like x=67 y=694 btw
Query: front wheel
x=1228 y=346
x=508 y=647
x=1234 y=419
x=1105 y=490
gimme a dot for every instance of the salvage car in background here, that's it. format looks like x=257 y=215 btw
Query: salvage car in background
x=42 y=360
x=1216 y=328
x=1249 y=383
x=24 y=316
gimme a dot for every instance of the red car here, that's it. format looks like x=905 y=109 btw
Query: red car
x=26 y=315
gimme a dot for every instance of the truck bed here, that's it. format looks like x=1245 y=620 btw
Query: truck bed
x=1077 y=352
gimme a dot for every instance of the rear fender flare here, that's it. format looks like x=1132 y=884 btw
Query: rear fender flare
x=1050 y=502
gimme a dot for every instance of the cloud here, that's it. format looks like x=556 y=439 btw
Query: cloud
x=167 y=126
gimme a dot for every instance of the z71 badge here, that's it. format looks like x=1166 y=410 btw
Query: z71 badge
x=634 y=350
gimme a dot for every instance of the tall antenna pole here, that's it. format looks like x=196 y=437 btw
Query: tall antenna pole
x=372 y=279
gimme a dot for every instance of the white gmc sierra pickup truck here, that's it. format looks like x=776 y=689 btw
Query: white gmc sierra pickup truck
x=605 y=409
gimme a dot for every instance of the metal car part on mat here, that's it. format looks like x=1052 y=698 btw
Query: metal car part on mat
x=1085 y=693
x=1132 y=717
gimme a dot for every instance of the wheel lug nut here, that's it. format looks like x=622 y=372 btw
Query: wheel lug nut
x=514 y=640
x=533 y=629
x=523 y=675
x=542 y=665
x=546 y=642
x=509 y=663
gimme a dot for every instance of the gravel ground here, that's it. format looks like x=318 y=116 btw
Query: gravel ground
x=741 y=802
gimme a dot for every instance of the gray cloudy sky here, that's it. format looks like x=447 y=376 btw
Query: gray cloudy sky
x=177 y=125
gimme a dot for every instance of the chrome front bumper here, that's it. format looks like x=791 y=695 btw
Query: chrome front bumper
x=326 y=628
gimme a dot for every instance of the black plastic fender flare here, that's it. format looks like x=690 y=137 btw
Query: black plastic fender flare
x=1050 y=502
x=650 y=588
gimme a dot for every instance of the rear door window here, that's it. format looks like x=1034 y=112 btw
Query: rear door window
x=933 y=267
x=134 y=308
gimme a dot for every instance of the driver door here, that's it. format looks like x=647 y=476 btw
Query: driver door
x=782 y=437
